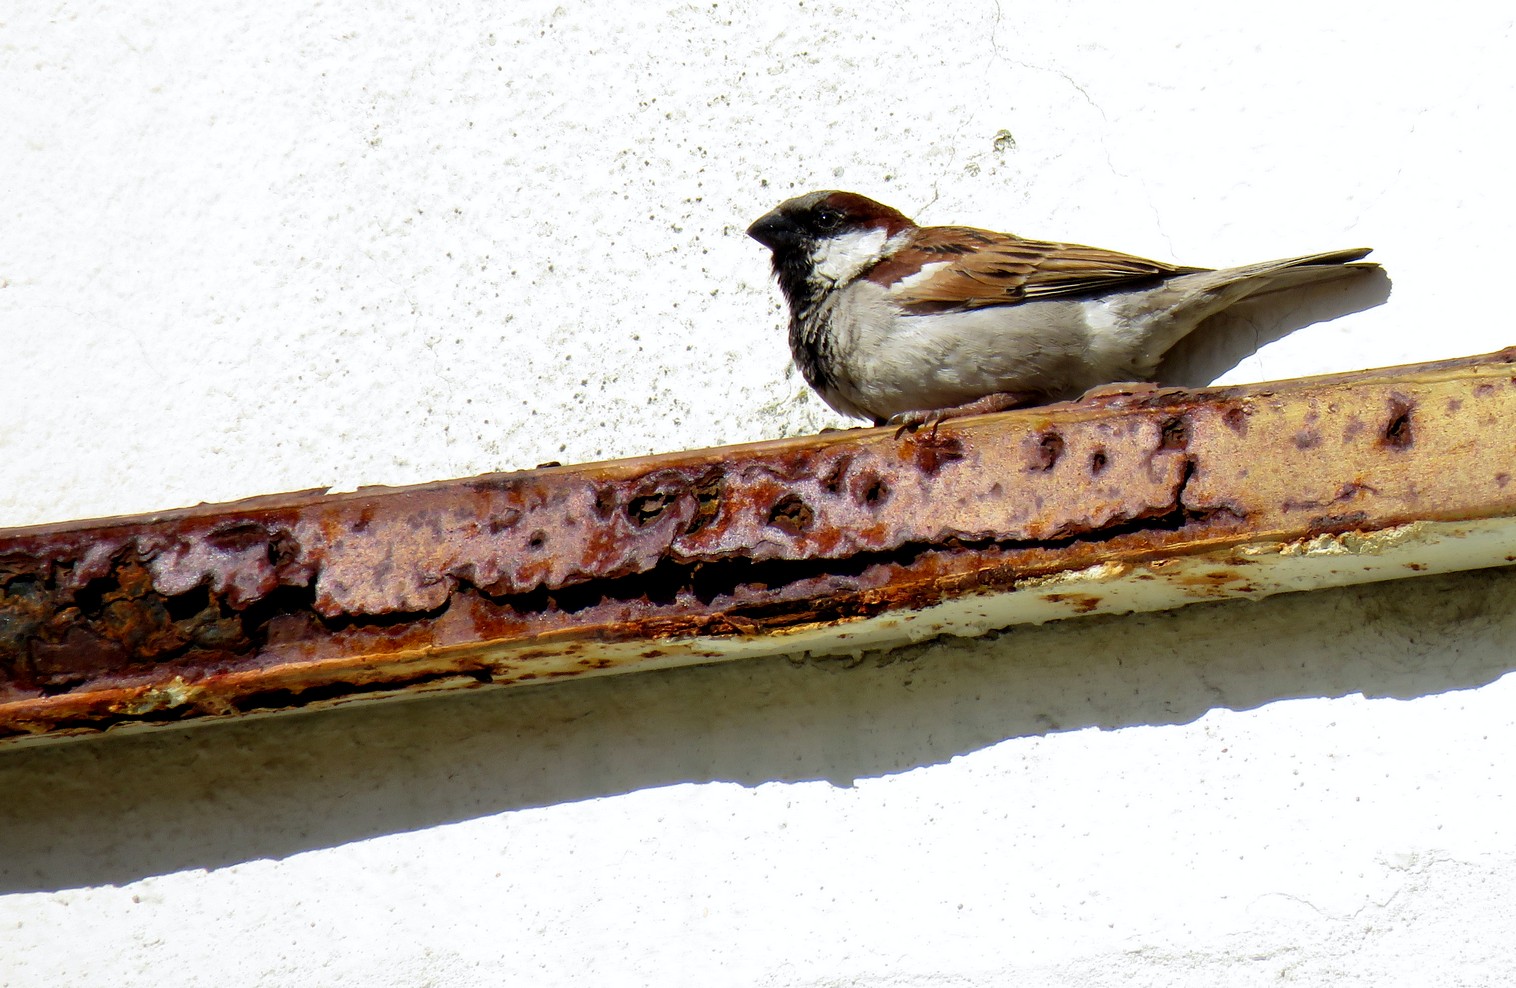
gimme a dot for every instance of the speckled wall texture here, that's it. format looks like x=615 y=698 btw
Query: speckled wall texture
x=253 y=247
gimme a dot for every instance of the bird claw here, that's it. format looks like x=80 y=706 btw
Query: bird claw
x=998 y=402
x=909 y=422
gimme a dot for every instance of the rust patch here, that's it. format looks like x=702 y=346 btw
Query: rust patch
x=791 y=514
x=1397 y=434
x=871 y=490
x=1211 y=578
x=708 y=491
x=1346 y=492
x=647 y=508
x=1050 y=447
x=1082 y=603
x=1174 y=434
x=932 y=450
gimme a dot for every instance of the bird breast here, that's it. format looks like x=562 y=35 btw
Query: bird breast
x=882 y=361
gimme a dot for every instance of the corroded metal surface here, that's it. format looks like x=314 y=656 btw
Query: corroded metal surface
x=306 y=599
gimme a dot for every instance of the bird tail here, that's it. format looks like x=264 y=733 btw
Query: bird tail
x=1194 y=297
x=1267 y=277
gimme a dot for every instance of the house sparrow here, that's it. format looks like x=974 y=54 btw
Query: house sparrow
x=905 y=324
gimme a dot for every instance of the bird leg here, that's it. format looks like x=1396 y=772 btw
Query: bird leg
x=999 y=402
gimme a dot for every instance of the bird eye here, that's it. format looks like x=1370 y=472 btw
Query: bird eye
x=828 y=219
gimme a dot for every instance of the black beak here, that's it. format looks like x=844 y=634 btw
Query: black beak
x=774 y=231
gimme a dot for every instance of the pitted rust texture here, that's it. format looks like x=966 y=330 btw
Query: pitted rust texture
x=295 y=599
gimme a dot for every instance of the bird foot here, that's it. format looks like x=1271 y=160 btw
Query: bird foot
x=999 y=402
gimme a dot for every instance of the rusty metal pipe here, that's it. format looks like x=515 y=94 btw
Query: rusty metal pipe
x=831 y=543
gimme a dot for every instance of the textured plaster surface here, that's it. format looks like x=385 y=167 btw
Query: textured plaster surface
x=259 y=247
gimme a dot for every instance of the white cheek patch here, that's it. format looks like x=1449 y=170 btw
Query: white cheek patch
x=843 y=257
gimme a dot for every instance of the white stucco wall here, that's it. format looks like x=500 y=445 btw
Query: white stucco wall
x=257 y=247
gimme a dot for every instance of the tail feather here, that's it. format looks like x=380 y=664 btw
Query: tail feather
x=1343 y=256
x=1277 y=276
x=1200 y=295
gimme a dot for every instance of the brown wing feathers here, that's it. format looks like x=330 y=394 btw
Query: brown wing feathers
x=1002 y=270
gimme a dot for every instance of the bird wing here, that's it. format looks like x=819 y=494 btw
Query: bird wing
x=945 y=269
